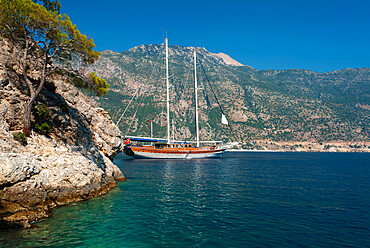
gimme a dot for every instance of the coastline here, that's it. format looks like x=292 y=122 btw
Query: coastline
x=245 y=150
x=305 y=146
x=71 y=163
x=331 y=151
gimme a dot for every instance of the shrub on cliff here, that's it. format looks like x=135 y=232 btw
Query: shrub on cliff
x=20 y=137
x=42 y=117
x=49 y=44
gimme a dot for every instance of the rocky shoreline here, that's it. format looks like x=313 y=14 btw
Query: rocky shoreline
x=71 y=163
x=47 y=174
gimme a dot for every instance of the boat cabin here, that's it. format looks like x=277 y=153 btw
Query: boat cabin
x=165 y=145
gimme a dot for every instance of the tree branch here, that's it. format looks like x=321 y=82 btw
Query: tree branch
x=26 y=79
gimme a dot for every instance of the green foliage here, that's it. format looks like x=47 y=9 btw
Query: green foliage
x=98 y=85
x=42 y=117
x=50 y=44
x=44 y=128
x=280 y=105
x=31 y=25
x=20 y=137
x=21 y=18
x=53 y=6
x=41 y=113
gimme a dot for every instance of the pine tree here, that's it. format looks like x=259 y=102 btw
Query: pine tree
x=50 y=44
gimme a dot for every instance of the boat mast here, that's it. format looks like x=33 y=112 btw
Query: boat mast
x=173 y=132
x=168 y=95
x=196 y=98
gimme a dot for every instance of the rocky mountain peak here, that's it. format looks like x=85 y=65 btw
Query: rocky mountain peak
x=228 y=60
x=182 y=52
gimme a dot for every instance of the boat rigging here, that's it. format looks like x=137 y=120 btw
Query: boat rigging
x=167 y=148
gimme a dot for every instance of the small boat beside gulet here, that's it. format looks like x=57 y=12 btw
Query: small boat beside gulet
x=161 y=148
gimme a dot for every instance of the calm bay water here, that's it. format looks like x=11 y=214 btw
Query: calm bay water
x=242 y=200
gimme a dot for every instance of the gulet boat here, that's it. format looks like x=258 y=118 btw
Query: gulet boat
x=171 y=149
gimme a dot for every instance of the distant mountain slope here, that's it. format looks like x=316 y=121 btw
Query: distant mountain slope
x=279 y=105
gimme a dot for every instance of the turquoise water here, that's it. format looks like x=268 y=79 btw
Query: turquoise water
x=242 y=200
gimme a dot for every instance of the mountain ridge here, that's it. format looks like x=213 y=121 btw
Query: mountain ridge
x=261 y=104
x=221 y=55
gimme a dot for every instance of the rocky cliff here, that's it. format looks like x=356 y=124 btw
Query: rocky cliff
x=70 y=162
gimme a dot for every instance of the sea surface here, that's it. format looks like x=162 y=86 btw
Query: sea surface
x=246 y=199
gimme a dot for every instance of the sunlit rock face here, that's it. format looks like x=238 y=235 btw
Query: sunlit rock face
x=71 y=163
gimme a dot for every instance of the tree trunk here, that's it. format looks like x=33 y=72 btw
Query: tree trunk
x=27 y=117
x=34 y=93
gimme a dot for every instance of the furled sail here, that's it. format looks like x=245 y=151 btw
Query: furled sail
x=224 y=120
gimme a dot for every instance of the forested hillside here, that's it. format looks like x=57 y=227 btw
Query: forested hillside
x=276 y=105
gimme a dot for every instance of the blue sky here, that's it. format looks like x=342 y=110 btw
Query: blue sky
x=276 y=34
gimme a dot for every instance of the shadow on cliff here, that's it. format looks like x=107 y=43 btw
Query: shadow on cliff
x=68 y=124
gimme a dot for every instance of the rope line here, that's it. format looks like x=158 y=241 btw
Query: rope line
x=214 y=94
x=127 y=106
